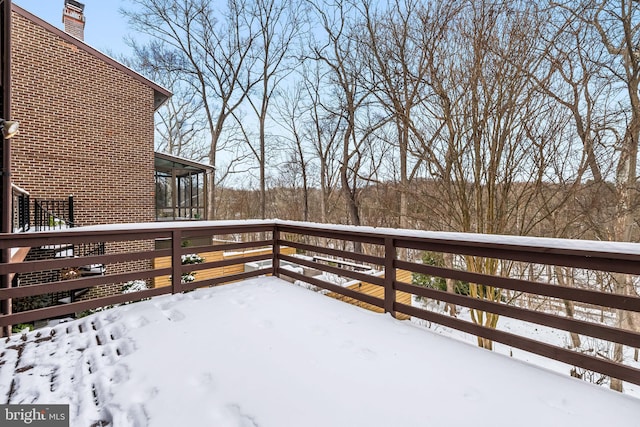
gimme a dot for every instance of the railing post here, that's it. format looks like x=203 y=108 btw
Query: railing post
x=389 y=275
x=176 y=261
x=71 y=220
x=5 y=153
x=275 y=264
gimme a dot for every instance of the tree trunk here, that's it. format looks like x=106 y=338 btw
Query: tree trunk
x=616 y=384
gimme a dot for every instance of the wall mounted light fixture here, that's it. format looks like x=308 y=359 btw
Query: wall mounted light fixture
x=9 y=128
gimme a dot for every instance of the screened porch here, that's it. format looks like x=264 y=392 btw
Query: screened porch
x=181 y=188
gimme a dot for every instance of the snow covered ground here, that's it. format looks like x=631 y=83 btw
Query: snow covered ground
x=266 y=353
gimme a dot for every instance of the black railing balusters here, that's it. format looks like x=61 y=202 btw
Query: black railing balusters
x=47 y=214
x=53 y=214
x=24 y=212
x=88 y=249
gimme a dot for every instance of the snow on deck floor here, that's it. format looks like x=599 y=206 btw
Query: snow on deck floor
x=266 y=353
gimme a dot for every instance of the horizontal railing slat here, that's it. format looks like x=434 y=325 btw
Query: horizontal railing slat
x=197 y=230
x=76 y=307
x=570 y=357
x=591 y=260
x=225 y=279
x=335 y=270
x=57 y=263
x=369 y=259
x=222 y=247
x=76 y=237
x=591 y=329
x=354 y=236
x=333 y=288
x=84 y=282
x=623 y=302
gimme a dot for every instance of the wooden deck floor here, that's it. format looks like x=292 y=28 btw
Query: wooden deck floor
x=378 y=292
x=364 y=287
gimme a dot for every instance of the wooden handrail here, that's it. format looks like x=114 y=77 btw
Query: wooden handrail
x=19 y=190
x=380 y=251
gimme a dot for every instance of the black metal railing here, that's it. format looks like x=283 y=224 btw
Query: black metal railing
x=88 y=249
x=20 y=212
x=53 y=214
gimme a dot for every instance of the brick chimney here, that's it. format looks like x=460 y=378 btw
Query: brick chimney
x=73 y=18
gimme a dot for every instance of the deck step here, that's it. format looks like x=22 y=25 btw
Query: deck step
x=19 y=254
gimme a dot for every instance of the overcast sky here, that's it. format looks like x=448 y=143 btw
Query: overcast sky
x=105 y=27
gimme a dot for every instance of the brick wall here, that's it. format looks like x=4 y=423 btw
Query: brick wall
x=86 y=129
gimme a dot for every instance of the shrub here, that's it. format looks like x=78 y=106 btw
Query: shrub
x=22 y=327
x=434 y=282
x=134 y=286
x=190 y=259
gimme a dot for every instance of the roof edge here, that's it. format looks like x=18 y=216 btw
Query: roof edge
x=177 y=159
x=161 y=94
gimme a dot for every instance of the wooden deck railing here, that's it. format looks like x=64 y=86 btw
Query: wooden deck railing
x=380 y=250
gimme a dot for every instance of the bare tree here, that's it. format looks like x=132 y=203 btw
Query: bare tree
x=278 y=23
x=573 y=76
x=179 y=123
x=179 y=129
x=322 y=129
x=291 y=108
x=211 y=49
x=339 y=53
x=400 y=39
x=485 y=143
x=613 y=31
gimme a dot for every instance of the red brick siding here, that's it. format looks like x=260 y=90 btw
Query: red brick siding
x=86 y=129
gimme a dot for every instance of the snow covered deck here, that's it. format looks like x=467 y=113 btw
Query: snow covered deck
x=267 y=353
